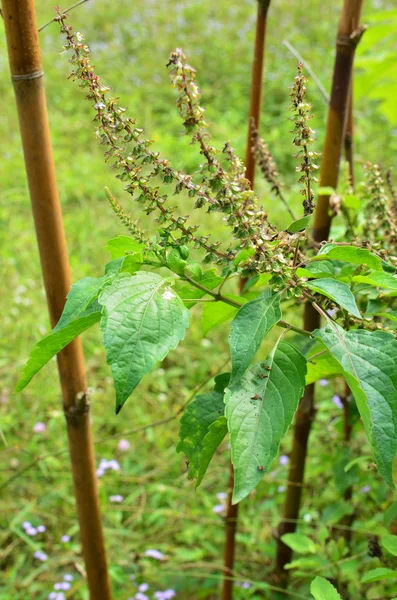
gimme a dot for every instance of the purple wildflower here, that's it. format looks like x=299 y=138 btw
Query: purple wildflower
x=365 y=489
x=117 y=498
x=140 y=596
x=40 y=555
x=284 y=460
x=324 y=382
x=243 y=584
x=65 y=539
x=337 y=401
x=221 y=496
x=218 y=509
x=39 y=427
x=156 y=554
x=32 y=531
x=166 y=595
x=143 y=587
x=41 y=528
x=281 y=489
x=68 y=577
x=124 y=445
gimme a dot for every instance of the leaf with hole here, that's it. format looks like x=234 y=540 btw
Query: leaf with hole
x=260 y=407
x=369 y=363
x=250 y=325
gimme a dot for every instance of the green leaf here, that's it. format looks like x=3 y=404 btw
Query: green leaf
x=379 y=574
x=299 y=543
x=81 y=312
x=390 y=514
x=337 y=291
x=205 y=410
x=81 y=296
x=369 y=363
x=209 y=279
x=143 y=319
x=259 y=409
x=54 y=343
x=352 y=254
x=299 y=224
x=250 y=325
x=323 y=366
x=122 y=245
x=175 y=262
x=215 y=313
x=389 y=542
x=378 y=279
x=326 y=191
x=243 y=255
x=321 y=268
x=356 y=461
x=216 y=433
x=322 y=589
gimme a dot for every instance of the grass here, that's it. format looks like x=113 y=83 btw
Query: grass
x=161 y=510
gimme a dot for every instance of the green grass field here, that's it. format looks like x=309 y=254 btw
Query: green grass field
x=130 y=44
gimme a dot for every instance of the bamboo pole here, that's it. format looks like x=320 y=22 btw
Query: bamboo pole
x=231 y=517
x=349 y=34
x=27 y=76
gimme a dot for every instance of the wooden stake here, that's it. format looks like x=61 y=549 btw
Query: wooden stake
x=27 y=75
x=254 y=116
x=348 y=37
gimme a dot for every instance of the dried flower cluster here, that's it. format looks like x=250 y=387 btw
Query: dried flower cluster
x=380 y=209
x=303 y=138
x=219 y=184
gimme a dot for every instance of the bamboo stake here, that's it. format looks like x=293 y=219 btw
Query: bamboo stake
x=27 y=76
x=348 y=37
x=253 y=118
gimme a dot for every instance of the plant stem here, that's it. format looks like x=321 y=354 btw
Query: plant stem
x=27 y=75
x=253 y=120
x=348 y=37
x=348 y=139
x=220 y=298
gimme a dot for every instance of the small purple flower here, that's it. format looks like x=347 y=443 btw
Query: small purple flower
x=52 y=596
x=124 y=445
x=65 y=539
x=40 y=555
x=284 y=460
x=39 y=427
x=140 y=596
x=114 y=465
x=221 y=496
x=143 y=587
x=218 y=509
x=32 y=531
x=26 y=524
x=337 y=401
x=243 y=584
x=156 y=554
x=365 y=489
x=68 y=577
x=281 y=489
x=100 y=472
x=117 y=498
x=41 y=528
x=332 y=312
x=166 y=595
x=324 y=382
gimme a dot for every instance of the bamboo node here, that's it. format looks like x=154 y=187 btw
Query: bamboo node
x=80 y=407
x=33 y=75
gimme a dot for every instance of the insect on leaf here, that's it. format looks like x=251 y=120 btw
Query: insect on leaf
x=260 y=407
x=250 y=325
